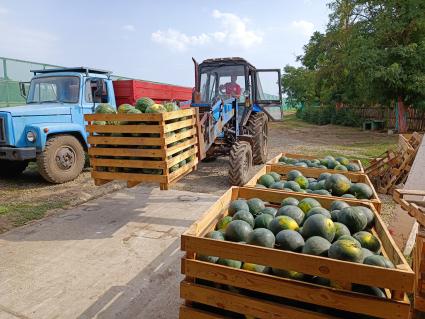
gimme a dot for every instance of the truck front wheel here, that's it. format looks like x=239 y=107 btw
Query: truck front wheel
x=12 y=168
x=62 y=159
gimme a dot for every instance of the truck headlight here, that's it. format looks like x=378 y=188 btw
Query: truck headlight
x=31 y=136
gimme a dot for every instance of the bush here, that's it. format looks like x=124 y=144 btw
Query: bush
x=323 y=115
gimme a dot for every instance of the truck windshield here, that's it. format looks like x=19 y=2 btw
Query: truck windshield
x=54 y=89
x=222 y=81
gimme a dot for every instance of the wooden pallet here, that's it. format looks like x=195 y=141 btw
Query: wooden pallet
x=275 y=160
x=315 y=172
x=205 y=287
x=147 y=150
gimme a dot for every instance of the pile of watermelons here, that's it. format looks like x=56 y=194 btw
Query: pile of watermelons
x=143 y=105
x=329 y=162
x=343 y=233
x=326 y=184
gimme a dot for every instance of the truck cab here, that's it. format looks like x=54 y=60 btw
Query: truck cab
x=50 y=128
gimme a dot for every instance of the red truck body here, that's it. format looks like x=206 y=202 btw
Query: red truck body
x=129 y=91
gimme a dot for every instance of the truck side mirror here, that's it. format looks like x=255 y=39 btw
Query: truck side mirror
x=23 y=88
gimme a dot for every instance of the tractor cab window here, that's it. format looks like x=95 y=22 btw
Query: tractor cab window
x=54 y=89
x=90 y=89
x=222 y=81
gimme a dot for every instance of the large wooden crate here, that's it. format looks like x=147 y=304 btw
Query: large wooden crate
x=314 y=172
x=275 y=160
x=147 y=149
x=205 y=288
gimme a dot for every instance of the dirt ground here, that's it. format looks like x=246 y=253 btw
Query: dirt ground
x=29 y=197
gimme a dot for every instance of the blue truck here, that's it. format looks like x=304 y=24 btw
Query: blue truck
x=50 y=128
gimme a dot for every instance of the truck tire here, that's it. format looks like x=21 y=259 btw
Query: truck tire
x=258 y=125
x=62 y=159
x=240 y=163
x=12 y=168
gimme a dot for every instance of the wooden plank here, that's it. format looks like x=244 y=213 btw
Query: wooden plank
x=178 y=114
x=181 y=146
x=124 y=128
x=177 y=159
x=99 y=182
x=244 y=305
x=394 y=279
x=108 y=140
x=296 y=290
x=179 y=136
x=178 y=125
x=129 y=177
x=124 y=117
x=136 y=152
x=127 y=163
x=192 y=313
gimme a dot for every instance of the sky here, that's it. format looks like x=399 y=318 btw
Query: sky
x=156 y=40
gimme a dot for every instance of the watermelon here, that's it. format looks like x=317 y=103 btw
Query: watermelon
x=223 y=223
x=292 y=175
x=366 y=253
x=254 y=267
x=312 y=185
x=270 y=211
x=323 y=177
x=302 y=181
x=369 y=215
x=344 y=161
x=348 y=196
x=266 y=180
x=308 y=203
x=280 y=223
x=208 y=259
x=345 y=249
x=288 y=274
x=369 y=290
x=317 y=246
x=255 y=205
x=289 y=240
x=104 y=108
x=321 y=281
x=277 y=185
x=124 y=108
x=379 y=261
x=361 y=191
x=321 y=192
x=237 y=205
x=238 y=230
x=289 y=201
x=171 y=106
x=292 y=211
x=320 y=185
x=338 y=184
x=263 y=221
x=332 y=163
x=143 y=103
x=318 y=210
x=275 y=175
x=301 y=164
x=352 y=167
x=261 y=237
x=348 y=237
x=341 y=168
x=338 y=205
x=341 y=230
x=353 y=219
x=260 y=186
x=292 y=185
x=369 y=241
x=215 y=234
x=230 y=263
x=319 y=225
x=245 y=216
x=155 y=108
x=334 y=215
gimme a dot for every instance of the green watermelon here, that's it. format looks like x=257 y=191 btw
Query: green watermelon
x=289 y=201
x=104 y=108
x=266 y=180
x=261 y=237
x=369 y=215
x=366 y=253
x=361 y=191
x=155 y=108
x=317 y=246
x=348 y=196
x=302 y=181
x=334 y=215
x=171 y=106
x=99 y=123
x=320 y=185
x=230 y=263
x=255 y=205
x=292 y=185
x=348 y=237
x=263 y=221
x=292 y=211
x=238 y=230
x=277 y=185
x=237 y=205
x=292 y=175
x=332 y=163
x=124 y=108
x=223 y=223
x=288 y=274
x=282 y=222
x=254 y=267
x=245 y=216
x=345 y=249
x=338 y=205
x=143 y=103
x=369 y=241
x=318 y=210
x=352 y=167
x=289 y=240
x=344 y=161
x=338 y=184
x=379 y=261
x=341 y=168
x=341 y=230
x=270 y=211
x=308 y=203
x=301 y=164
x=353 y=219
x=319 y=225
x=215 y=234
x=208 y=259
x=275 y=175
x=369 y=290
x=323 y=177
x=321 y=192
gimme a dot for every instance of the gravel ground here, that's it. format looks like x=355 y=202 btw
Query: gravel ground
x=31 y=195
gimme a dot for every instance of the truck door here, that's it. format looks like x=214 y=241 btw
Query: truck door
x=268 y=92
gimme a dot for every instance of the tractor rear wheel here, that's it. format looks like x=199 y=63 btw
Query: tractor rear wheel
x=240 y=163
x=258 y=125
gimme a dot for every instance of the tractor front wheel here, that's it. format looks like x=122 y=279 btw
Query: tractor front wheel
x=258 y=125
x=240 y=162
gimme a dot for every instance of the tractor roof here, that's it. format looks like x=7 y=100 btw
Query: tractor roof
x=229 y=61
x=80 y=69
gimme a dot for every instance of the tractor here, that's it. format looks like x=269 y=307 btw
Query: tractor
x=230 y=94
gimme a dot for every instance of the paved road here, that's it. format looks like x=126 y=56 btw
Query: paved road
x=114 y=257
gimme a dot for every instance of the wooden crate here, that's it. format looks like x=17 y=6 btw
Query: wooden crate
x=275 y=160
x=149 y=142
x=259 y=295
x=314 y=172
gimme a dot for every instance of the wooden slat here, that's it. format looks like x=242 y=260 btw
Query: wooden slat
x=124 y=128
x=124 y=117
x=177 y=159
x=244 y=305
x=129 y=177
x=313 y=265
x=300 y=291
x=127 y=163
x=178 y=125
x=108 y=140
x=179 y=136
x=192 y=313
x=99 y=151
x=178 y=114
x=181 y=146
